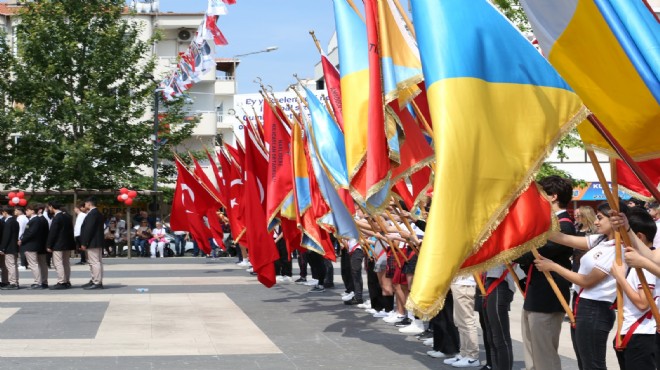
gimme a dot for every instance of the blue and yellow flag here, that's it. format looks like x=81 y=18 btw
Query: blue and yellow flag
x=609 y=52
x=497 y=108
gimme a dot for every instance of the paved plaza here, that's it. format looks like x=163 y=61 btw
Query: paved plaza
x=198 y=313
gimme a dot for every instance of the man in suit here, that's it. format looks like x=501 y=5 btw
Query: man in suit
x=33 y=244
x=9 y=247
x=91 y=241
x=61 y=242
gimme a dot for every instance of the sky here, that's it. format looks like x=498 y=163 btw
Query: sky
x=253 y=25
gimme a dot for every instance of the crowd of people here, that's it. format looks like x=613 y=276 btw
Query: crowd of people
x=580 y=259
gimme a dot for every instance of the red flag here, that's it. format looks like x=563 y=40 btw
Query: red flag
x=292 y=235
x=229 y=2
x=280 y=173
x=205 y=181
x=212 y=26
x=374 y=173
x=263 y=252
x=631 y=184
x=333 y=85
x=192 y=201
x=222 y=191
x=235 y=191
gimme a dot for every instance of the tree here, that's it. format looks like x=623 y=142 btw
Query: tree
x=82 y=81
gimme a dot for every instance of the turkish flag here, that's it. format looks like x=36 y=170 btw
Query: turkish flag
x=628 y=180
x=204 y=180
x=279 y=172
x=263 y=252
x=222 y=191
x=235 y=190
x=191 y=202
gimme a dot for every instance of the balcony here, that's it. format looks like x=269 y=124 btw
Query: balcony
x=224 y=85
x=207 y=125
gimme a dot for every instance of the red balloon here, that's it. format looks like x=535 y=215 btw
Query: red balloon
x=22 y=202
x=119 y=198
x=128 y=201
x=132 y=193
x=123 y=191
x=11 y=195
x=20 y=194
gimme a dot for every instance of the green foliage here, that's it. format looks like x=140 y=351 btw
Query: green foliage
x=512 y=10
x=83 y=86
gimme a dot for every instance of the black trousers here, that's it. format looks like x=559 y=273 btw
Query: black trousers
x=283 y=266
x=498 y=331
x=329 y=280
x=639 y=354
x=593 y=324
x=480 y=307
x=357 y=258
x=445 y=333
x=346 y=277
x=317 y=266
x=375 y=292
x=302 y=263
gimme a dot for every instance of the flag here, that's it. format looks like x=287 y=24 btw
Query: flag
x=192 y=202
x=235 y=190
x=219 y=179
x=333 y=86
x=497 y=108
x=217 y=7
x=280 y=173
x=311 y=238
x=401 y=66
x=211 y=26
x=362 y=106
x=609 y=52
x=630 y=184
x=204 y=180
x=325 y=149
x=263 y=252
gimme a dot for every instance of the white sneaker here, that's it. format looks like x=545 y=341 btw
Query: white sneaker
x=348 y=296
x=436 y=354
x=286 y=280
x=250 y=270
x=417 y=327
x=382 y=313
x=451 y=360
x=393 y=319
x=312 y=282
x=428 y=342
x=371 y=311
x=365 y=305
x=278 y=278
x=244 y=263
x=466 y=362
x=21 y=268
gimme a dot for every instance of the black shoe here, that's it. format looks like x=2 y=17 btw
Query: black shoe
x=425 y=335
x=59 y=286
x=94 y=287
x=485 y=367
x=404 y=322
x=302 y=280
x=10 y=287
x=68 y=285
x=317 y=289
x=37 y=287
x=329 y=286
x=2 y=285
x=81 y=263
x=87 y=285
x=353 y=301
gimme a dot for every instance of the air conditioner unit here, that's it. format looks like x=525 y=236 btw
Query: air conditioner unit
x=184 y=35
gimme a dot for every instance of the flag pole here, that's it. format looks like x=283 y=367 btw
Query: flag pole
x=514 y=276
x=634 y=167
x=480 y=284
x=617 y=250
x=555 y=289
x=316 y=42
x=626 y=239
x=403 y=14
x=357 y=11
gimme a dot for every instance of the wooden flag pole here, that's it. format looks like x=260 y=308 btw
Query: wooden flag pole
x=413 y=241
x=480 y=284
x=316 y=42
x=626 y=239
x=617 y=250
x=403 y=14
x=382 y=225
x=392 y=247
x=634 y=167
x=514 y=276
x=555 y=289
x=357 y=11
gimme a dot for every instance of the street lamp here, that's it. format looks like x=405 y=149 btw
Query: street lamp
x=235 y=58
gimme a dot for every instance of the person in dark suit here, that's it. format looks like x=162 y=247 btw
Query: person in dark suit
x=92 y=241
x=61 y=242
x=543 y=313
x=33 y=243
x=4 y=276
x=9 y=247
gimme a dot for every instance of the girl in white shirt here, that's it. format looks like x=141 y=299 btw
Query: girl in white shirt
x=158 y=240
x=597 y=288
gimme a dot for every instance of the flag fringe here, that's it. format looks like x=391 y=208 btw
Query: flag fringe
x=503 y=210
x=637 y=195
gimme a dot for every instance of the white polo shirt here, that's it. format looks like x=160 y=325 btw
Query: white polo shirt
x=600 y=256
